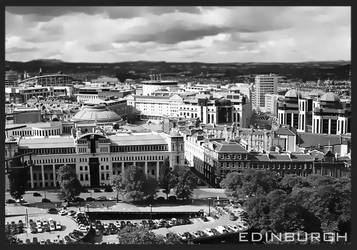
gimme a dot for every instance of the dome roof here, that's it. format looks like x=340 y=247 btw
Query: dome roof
x=292 y=93
x=330 y=97
x=96 y=114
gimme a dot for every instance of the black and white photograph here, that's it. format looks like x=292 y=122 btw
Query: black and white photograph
x=177 y=125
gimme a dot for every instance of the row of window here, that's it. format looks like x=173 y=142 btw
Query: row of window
x=138 y=148
x=50 y=151
x=58 y=160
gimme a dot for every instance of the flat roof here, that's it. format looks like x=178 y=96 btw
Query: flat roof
x=46 y=142
x=137 y=139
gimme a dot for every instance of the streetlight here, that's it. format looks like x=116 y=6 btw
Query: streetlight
x=150 y=211
x=209 y=206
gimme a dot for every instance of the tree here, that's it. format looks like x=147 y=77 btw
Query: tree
x=138 y=236
x=250 y=182
x=232 y=184
x=118 y=184
x=137 y=185
x=167 y=180
x=291 y=181
x=69 y=184
x=17 y=178
x=184 y=182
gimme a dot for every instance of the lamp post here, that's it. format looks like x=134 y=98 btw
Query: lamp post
x=150 y=211
x=209 y=206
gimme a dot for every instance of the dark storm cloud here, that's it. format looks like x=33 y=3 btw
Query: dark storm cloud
x=174 y=35
x=46 y=13
x=15 y=50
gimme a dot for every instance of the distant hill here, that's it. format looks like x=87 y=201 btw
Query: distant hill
x=303 y=70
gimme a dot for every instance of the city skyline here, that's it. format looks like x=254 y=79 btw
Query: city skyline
x=178 y=34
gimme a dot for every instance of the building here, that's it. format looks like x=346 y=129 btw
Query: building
x=91 y=93
x=23 y=115
x=150 y=86
x=295 y=111
x=271 y=103
x=22 y=94
x=264 y=84
x=11 y=78
x=96 y=157
x=118 y=105
x=330 y=115
x=325 y=113
x=48 y=80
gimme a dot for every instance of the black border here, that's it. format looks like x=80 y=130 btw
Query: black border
x=164 y=3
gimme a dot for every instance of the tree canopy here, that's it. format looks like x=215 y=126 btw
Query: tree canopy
x=293 y=203
x=184 y=181
x=69 y=183
x=140 y=235
x=138 y=187
x=18 y=176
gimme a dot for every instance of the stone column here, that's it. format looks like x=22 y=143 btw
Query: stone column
x=31 y=176
x=146 y=168
x=122 y=168
x=329 y=126
x=157 y=170
x=43 y=175
x=54 y=175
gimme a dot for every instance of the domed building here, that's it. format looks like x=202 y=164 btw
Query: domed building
x=330 y=97
x=96 y=114
x=330 y=115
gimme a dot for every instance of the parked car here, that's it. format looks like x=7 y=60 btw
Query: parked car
x=42 y=242
x=63 y=212
x=37 y=194
x=208 y=231
x=10 y=201
x=234 y=228
x=58 y=227
x=45 y=200
x=102 y=198
x=90 y=199
x=232 y=217
x=96 y=190
x=201 y=233
x=221 y=229
x=215 y=232
x=71 y=213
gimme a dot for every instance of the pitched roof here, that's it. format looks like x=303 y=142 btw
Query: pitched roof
x=229 y=147
x=307 y=140
x=284 y=131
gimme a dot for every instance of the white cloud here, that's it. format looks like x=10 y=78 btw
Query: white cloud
x=212 y=34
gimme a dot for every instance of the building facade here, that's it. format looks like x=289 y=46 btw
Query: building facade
x=96 y=157
x=264 y=84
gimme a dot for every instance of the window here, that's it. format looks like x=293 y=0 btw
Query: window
x=102 y=175
x=152 y=172
x=107 y=167
x=80 y=168
x=86 y=177
x=81 y=177
x=177 y=159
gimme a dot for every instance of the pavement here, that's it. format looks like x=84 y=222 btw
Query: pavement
x=52 y=195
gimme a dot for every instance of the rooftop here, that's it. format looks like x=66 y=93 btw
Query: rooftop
x=137 y=139
x=46 y=142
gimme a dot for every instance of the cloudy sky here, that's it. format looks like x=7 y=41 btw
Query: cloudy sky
x=178 y=34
